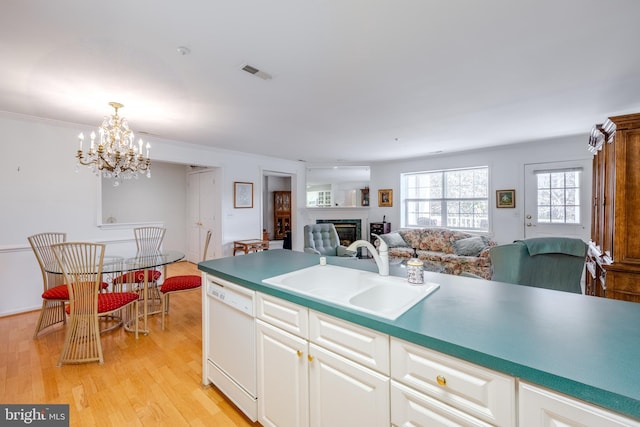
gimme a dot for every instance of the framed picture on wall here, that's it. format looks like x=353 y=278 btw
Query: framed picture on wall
x=506 y=198
x=385 y=198
x=243 y=194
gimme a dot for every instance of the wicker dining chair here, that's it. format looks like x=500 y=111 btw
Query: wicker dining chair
x=148 y=240
x=55 y=293
x=81 y=265
x=182 y=283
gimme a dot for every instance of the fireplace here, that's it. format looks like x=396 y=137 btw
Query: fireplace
x=349 y=230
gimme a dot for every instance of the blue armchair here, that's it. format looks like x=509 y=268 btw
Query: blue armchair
x=322 y=239
x=545 y=262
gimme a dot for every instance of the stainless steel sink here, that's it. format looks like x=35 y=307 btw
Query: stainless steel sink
x=383 y=296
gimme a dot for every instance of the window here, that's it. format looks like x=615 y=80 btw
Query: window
x=558 y=200
x=455 y=198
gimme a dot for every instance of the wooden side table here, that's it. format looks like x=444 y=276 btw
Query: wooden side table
x=253 y=245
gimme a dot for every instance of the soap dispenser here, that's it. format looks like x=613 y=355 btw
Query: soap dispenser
x=415 y=272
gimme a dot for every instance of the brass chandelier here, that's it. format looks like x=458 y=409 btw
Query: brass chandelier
x=114 y=154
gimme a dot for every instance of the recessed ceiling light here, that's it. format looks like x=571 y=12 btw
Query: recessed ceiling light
x=182 y=50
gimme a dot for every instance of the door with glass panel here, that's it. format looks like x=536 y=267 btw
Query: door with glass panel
x=557 y=198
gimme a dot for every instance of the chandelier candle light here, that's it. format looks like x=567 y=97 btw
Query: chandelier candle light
x=114 y=154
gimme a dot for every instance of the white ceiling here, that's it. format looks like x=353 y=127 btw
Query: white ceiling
x=352 y=80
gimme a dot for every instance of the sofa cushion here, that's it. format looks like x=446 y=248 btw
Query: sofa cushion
x=394 y=240
x=471 y=246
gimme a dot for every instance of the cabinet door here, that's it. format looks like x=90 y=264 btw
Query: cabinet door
x=283 y=378
x=543 y=408
x=344 y=393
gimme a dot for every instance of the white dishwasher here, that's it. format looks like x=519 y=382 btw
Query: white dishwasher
x=231 y=343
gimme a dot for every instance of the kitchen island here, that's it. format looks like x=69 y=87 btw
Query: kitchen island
x=584 y=347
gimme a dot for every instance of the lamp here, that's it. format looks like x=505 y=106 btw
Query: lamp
x=114 y=154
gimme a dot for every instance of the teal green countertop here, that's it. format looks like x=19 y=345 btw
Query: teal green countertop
x=586 y=347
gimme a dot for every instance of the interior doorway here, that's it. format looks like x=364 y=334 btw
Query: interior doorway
x=203 y=194
x=277 y=209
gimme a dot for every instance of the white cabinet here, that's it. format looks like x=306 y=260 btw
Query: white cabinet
x=543 y=408
x=344 y=393
x=409 y=407
x=283 y=378
x=478 y=395
x=315 y=370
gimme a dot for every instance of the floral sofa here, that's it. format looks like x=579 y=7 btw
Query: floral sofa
x=455 y=252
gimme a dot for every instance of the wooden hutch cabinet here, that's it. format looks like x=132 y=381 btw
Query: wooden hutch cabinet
x=613 y=264
x=282 y=213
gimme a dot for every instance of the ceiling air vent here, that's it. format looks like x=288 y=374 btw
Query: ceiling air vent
x=256 y=72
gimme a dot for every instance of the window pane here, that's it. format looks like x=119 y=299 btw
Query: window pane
x=544 y=214
x=544 y=197
x=544 y=180
x=557 y=214
x=557 y=197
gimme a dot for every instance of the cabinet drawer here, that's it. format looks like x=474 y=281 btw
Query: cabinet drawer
x=411 y=408
x=540 y=407
x=360 y=344
x=478 y=391
x=283 y=314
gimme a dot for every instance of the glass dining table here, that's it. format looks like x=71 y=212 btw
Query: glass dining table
x=114 y=266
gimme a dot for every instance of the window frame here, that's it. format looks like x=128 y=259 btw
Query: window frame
x=444 y=201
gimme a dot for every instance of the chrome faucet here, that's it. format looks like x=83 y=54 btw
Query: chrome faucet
x=382 y=259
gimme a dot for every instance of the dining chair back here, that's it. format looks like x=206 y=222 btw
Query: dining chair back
x=81 y=265
x=54 y=294
x=182 y=283
x=149 y=239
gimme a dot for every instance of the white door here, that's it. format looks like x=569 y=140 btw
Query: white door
x=557 y=199
x=203 y=200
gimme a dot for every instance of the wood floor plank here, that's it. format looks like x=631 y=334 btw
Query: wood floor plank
x=154 y=381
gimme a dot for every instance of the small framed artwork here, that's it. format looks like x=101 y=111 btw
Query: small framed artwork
x=506 y=198
x=243 y=194
x=385 y=198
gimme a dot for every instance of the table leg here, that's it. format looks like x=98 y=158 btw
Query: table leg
x=146 y=303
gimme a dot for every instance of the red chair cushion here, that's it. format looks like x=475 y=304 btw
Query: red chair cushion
x=181 y=283
x=110 y=301
x=62 y=292
x=138 y=276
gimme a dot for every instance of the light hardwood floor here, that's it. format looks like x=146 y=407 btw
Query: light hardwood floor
x=154 y=381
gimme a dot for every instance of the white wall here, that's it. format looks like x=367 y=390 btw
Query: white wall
x=41 y=191
x=161 y=199
x=506 y=171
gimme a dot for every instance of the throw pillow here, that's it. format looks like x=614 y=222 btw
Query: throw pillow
x=394 y=240
x=471 y=246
